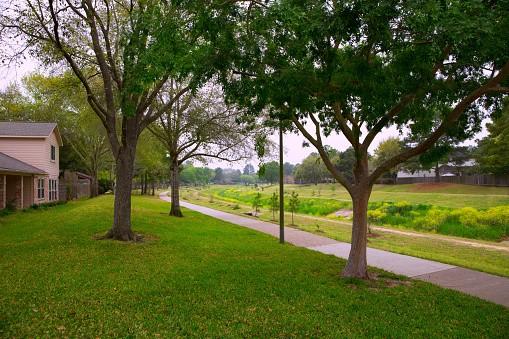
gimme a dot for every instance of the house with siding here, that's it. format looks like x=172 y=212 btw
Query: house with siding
x=29 y=163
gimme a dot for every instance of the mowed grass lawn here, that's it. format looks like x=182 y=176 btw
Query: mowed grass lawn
x=443 y=195
x=198 y=276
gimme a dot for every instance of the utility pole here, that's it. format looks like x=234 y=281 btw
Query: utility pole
x=281 y=188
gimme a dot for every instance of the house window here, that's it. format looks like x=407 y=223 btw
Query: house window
x=40 y=188
x=53 y=153
x=53 y=186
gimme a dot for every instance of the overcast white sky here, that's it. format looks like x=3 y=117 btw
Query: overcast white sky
x=294 y=152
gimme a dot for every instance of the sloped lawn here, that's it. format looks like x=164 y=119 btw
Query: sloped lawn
x=197 y=276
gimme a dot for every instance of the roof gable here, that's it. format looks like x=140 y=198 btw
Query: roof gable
x=29 y=130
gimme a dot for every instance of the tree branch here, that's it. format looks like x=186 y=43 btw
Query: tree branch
x=323 y=153
x=347 y=131
x=147 y=120
x=451 y=118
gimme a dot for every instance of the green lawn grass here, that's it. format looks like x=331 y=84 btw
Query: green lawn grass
x=450 y=195
x=436 y=247
x=430 y=211
x=198 y=276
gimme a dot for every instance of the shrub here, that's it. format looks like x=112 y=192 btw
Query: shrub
x=466 y=216
x=49 y=204
x=104 y=185
x=376 y=215
x=400 y=207
x=495 y=216
x=431 y=221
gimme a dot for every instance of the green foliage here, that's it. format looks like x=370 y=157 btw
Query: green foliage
x=257 y=203
x=493 y=152
x=151 y=160
x=293 y=204
x=248 y=179
x=313 y=206
x=489 y=224
x=47 y=205
x=311 y=170
x=196 y=176
x=385 y=150
x=274 y=204
x=270 y=172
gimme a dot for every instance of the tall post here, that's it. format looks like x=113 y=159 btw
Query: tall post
x=281 y=188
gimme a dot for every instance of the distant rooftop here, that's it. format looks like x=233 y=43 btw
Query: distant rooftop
x=10 y=164
x=26 y=129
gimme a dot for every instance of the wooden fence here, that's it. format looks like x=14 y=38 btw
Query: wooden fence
x=74 y=185
x=477 y=179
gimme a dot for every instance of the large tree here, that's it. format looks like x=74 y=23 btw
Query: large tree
x=269 y=172
x=358 y=67
x=198 y=126
x=311 y=170
x=133 y=47
x=385 y=150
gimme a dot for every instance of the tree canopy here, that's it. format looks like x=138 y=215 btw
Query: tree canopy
x=432 y=69
x=132 y=47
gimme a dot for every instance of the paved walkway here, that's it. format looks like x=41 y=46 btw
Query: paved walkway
x=483 y=285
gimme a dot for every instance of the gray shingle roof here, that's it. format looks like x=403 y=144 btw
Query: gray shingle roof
x=25 y=129
x=10 y=164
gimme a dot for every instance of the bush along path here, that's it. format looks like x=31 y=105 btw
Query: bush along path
x=485 y=286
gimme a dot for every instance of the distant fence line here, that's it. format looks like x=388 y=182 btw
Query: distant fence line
x=477 y=179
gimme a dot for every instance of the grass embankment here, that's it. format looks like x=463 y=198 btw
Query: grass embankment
x=485 y=217
x=478 y=255
x=198 y=276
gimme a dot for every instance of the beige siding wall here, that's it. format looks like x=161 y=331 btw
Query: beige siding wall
x=52 y=167
x=2 y=191
x=36 y=152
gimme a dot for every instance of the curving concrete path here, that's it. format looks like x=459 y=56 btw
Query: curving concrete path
x=483 y=285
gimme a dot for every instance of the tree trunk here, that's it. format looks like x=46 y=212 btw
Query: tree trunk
x=175 y=185
x=121 y=229
x=356 y=266
x=437 y=173
x=94 y=187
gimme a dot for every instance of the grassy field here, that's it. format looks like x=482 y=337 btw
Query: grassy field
x=467 y=211
x=198 y=276
x=478 y=254
x=444 y=195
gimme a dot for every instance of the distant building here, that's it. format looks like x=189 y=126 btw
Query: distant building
x=29 y=163
x=445 y=170
x=416 y=174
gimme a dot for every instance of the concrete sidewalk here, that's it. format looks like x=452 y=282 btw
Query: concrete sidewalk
x=483 y=285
